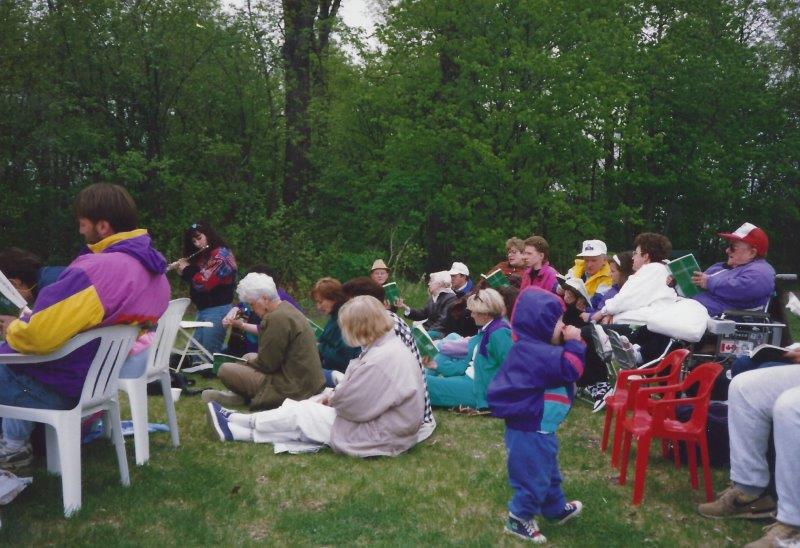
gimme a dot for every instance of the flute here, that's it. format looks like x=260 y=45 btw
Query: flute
x=173 y=266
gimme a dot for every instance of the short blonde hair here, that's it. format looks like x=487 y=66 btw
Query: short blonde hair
x=442 y=278
x=515 y=243
x=364 y=320
x=487 y=301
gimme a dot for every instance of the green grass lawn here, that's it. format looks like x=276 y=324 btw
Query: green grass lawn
x=450 y=490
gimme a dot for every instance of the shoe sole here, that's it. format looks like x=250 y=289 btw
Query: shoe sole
x=16 y=464
x=223 y=399
x=541 y=539
x=760 y=515
x=212 y=422
x=197 y=368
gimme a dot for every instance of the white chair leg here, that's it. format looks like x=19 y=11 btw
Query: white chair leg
x=68 y=432
x=169 y=402
x=119 y=442
x=137 y=395
x=51 y=441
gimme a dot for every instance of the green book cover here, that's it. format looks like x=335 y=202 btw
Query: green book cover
x=682 y=270
x=391 y=291
x=317 y=329
x=496 y=279
x=11 y=302
x=424 y=342
x=7 y=308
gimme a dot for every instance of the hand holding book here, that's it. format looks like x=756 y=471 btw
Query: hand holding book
x=700 y=279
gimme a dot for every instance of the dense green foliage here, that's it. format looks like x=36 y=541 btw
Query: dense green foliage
x=471 y=122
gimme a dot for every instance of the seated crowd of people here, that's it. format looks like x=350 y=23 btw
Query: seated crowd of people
x=361 y=386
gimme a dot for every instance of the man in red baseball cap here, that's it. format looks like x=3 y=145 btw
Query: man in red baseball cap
x=745 y=281
x=752 y=236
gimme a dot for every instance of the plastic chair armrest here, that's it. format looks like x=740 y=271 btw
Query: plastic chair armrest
x=25 y=358
x=643 y=394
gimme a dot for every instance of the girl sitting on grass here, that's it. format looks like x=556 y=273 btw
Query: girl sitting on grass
x=489 y=349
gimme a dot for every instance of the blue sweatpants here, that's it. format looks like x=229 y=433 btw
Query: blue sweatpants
x=533 y=474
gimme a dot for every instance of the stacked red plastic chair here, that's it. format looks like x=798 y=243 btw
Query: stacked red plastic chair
x=629 y=381
x=654 y=418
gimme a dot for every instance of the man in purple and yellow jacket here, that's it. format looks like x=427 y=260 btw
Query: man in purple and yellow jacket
x=119 y=278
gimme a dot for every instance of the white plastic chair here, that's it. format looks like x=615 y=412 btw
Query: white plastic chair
x=157 y=369
x=63 y=432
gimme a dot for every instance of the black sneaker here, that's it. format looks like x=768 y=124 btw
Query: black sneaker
x=571 y=510
x=218 y=420
x=15 y=458
x=526 y=530
x=601 y=391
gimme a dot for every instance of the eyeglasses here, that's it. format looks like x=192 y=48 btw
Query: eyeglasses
x=637 y=252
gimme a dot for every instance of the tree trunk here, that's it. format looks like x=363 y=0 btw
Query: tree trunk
x=298 y=19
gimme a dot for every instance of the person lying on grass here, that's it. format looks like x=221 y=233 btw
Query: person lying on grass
x=375 y=410
x=533 y=392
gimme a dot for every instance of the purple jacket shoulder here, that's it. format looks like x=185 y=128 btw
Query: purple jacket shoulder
x=533 y=364
x=744 y=287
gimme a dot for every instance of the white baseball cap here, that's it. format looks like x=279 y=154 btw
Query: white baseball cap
x=459 y=268
x=578 y=285
x=592 y=248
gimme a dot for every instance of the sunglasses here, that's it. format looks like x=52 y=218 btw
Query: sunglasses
x=194 y=226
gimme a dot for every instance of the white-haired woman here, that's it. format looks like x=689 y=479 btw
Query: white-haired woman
x=287 y=362
x=489 y=349
x=376 y=409
x=435 y=311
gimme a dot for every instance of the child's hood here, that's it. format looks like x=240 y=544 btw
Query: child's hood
x=536 y=314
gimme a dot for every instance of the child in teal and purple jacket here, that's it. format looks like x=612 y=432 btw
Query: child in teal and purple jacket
x=533 y=392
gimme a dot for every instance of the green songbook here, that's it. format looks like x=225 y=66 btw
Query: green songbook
x=496 y=279
x=317 y=329
x=424 y=342
x=7 y=308
x=682 y=270
x=391 y=291
x=11 y=302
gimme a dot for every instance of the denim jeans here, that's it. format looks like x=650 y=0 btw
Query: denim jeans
x=20 y=390
x=212 y=338
x=134 y=365
x=533 y=474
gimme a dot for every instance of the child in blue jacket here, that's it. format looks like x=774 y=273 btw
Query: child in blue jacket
x=533 y=392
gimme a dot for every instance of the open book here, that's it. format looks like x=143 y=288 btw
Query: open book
x=424 y=342
x=391 y=292
x=220 y=358
x=771 y=353
x=682 y=270
x=495 y=279
x=793 y=304
x=11 y=302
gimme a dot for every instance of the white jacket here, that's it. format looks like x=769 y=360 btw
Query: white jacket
x=645 y=292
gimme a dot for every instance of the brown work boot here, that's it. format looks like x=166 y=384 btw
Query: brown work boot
x=733 y=503
x=777 y=534
x=225 y=398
